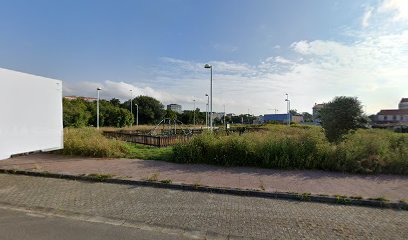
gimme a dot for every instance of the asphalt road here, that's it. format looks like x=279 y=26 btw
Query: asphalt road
x=191 y=214
x=29 y=225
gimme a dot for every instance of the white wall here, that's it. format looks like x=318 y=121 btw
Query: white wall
x=30 y=113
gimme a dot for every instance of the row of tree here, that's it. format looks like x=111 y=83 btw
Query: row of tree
x=81 y=113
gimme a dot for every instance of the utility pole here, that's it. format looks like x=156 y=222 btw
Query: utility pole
x=194 y=113
x=206 y=110
x=288 y=107
x=131 y=106
x=97 y=109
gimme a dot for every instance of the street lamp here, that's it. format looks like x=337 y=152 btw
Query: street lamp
x=131 y=107
x=194 y=108
x=288 y=107
x=97 y=108
x=211 y=95
x=137 y=114
x=206 y=110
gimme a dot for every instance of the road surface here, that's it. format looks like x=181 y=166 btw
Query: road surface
x=192 y=214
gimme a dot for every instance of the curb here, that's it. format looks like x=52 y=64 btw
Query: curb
x=305 y=197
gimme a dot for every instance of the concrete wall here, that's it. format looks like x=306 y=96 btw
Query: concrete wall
x=31 y=113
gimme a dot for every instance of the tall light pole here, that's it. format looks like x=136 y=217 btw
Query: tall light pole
x=97 y=108
x=131 y=107
x=288 y=107
x=137 y=114
x=211 y=95
x=206 y=110
x=194 y=110
x=225 y=124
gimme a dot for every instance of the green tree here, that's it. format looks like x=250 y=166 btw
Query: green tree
x=115 y=102
x=293 y=112
x=307 y=117
x=75 y=113
x=340 y=116
x=151 y=110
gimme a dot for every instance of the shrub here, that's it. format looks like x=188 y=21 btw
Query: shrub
x=363 y=151
x=373 y=151
x=91 y=142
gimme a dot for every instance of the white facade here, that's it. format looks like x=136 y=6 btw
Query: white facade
x=403 y=104
x=31 y=113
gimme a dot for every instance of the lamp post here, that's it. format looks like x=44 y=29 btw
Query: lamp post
x=97 y=108
x=211 y=95
x=131 y=107
x=194 y=110
x=137 y=114
x=206 y=110
x=288 y=107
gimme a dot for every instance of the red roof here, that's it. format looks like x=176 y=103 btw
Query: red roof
x=394 y=112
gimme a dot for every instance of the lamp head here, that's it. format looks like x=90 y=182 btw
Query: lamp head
x=207 y=66
x=99 y=88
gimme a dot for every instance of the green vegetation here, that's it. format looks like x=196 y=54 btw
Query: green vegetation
x=149 y=152
x=90 y=142
x=166 y=181
x=340 y=116
x=80 y=113
x=297 y=147
x=300 y=147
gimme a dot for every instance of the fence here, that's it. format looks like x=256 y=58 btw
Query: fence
x=158 y=141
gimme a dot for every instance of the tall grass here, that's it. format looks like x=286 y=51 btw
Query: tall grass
x=365 y=151
x=91 y=142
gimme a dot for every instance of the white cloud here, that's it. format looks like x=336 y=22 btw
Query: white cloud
x=372 y=67
x=398 y=7
x=121 y=90
x=366 y=17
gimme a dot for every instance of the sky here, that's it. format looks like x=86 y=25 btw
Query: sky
x=313 y=50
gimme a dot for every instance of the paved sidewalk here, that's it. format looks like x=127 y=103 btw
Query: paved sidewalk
x=201 y=215
x=392 y=187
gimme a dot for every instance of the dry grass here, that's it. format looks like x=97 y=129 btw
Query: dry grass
x=91 y=142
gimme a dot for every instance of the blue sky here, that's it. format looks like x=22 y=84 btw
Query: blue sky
x=312 y=49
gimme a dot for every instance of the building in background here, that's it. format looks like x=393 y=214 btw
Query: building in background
x=298 y=118
x=399 y=115
x=88 y=99
x=282 y=118
x=258 y=120
x=403 y=103
x=175 y=108
x=316 y=112
x=218 y=115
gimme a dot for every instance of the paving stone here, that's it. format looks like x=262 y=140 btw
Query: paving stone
x=200 y=213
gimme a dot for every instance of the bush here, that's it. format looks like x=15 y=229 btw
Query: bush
x=91 y=142
x=281 y=147
x=373 y=151
x=302 y=147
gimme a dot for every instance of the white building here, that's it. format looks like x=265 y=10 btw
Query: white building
x=31 y=113
x=394 y=115
x=175 y=108
x=403 y=103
